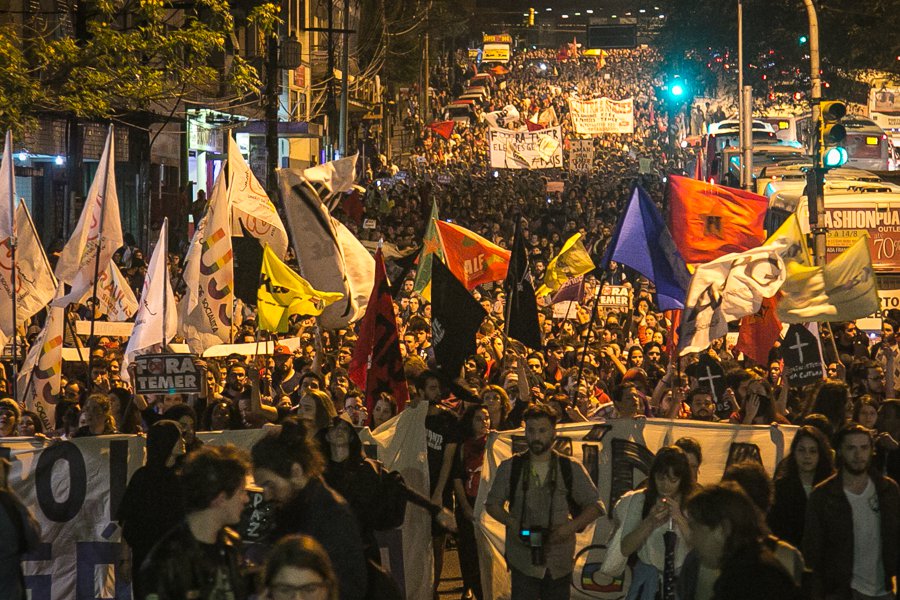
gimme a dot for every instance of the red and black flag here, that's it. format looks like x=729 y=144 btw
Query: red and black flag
x=376 y=365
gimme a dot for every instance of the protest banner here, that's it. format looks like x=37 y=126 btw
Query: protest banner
x=74 y=489
x=166 y=374
x=802 y=357
x=556 y=187
x=602 y=115
x=541 y=149
x=617 y=455
x=581 y=156
x=615 y=296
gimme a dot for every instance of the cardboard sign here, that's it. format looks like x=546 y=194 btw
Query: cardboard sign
x=615 y=296
x=711 y=376
x=556 y=187
x=166 y=374
x=369 y=224
x=802 y=357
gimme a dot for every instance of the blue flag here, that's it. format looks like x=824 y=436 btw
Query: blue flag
x=643 y=242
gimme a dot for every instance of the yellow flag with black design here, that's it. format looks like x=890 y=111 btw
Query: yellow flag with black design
x=283 y=293
x=573 y=260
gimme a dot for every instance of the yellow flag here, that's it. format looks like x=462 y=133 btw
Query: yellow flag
x=573 y=260
x=842 y=290
x=283 y=293
x=791 y=237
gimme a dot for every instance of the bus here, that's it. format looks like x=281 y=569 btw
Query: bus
x=868 y=146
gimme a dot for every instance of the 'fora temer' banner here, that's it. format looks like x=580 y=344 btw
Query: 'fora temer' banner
x=541 y=149
x=617 y=455
x=602 y=115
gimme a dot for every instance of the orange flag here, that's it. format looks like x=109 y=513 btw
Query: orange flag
x=759 y=332
x=708 y=221
x=471 y=258
x=443 y=128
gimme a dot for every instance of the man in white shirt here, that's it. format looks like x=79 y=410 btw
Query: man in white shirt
x=852 y=531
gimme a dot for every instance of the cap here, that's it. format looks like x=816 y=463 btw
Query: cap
x=282 y=350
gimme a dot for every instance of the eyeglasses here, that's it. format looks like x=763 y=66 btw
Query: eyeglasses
x=309 y=590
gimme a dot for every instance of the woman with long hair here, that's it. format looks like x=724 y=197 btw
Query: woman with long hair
x=832 y=399
x=476 y=424
x=643 y=516
x=730 y=559
x=809 y=462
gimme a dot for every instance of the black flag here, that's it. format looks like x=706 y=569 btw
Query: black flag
x=522 y=311
x=455 y=319
x=248 y=254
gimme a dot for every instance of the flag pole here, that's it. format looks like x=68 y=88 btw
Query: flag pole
x=91 y=341
x=12 y=254
x=165 y=299
x=584 y=349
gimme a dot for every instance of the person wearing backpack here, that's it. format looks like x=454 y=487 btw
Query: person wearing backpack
x=19 y=532
x=543 y=498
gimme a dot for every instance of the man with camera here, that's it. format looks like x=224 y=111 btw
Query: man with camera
x=543 y=498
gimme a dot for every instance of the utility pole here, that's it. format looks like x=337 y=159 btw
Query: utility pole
x=345 y=78
x=330 y=107
x=816 y=200
x=747 y=132
x=742 y=136
x=426 y=77
x=272 y=75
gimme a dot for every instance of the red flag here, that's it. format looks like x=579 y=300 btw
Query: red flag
x=532 y=126
x=443 y=128
x=708 y=221
x=376 y=365
x=471 y=258
x=352 y=203
x=759 y=332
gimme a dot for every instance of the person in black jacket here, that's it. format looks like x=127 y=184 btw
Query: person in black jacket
x=378 y=497
x=152 y=504
x=808 y=464
x=19 y=533
x=199 y=558
x=730 y=560
x=288 y=466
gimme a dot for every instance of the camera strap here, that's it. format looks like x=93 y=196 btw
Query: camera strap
x=526 y=483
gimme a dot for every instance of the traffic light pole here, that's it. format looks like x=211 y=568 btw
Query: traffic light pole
x=817 y=199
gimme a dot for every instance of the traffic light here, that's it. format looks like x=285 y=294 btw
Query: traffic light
x=832 y=134
x=531 y=17
x=677 y=87
x=803 y=39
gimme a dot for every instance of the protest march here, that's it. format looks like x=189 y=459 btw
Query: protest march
x=544 y=353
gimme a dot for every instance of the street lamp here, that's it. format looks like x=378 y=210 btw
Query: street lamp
x=284 y=55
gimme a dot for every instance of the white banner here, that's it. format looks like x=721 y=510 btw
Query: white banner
x=541 y=149
x=581 y=155
x=602 y=115
x=617 y=455
x=74 y=488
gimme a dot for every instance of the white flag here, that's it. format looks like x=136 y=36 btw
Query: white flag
x=35 y=283
x=251 y=208
x=206 y=310
x=7 y=190
x=336 y=176
x=156 y=322
x=99 y=228
x=727 y=289
x=40 y=376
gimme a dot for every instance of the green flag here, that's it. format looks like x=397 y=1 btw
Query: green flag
x=431 y=246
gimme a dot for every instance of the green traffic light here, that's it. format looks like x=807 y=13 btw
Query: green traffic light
x=803 y=39
x=677 y=90
x=835 y=157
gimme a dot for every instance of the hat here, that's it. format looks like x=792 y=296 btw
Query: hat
x=282 y=350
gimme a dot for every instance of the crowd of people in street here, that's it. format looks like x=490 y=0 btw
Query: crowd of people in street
x=824 y=524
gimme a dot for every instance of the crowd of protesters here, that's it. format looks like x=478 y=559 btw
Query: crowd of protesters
x=832 y=497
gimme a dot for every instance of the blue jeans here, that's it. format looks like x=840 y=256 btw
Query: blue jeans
x=532 y=588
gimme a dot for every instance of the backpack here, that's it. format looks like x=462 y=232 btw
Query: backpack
x=565 y=466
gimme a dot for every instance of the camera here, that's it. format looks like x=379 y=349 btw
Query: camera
x=534 y=539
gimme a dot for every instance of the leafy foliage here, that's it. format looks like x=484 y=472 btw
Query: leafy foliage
x=130 y=55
